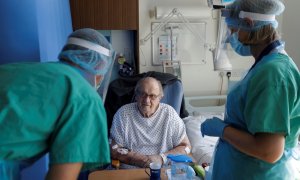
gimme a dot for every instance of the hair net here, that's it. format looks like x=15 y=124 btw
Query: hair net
x=261 y=7
x=93 y=52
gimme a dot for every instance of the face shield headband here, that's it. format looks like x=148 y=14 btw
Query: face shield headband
x=89 y=45
x=95 y=59
x=236 y=21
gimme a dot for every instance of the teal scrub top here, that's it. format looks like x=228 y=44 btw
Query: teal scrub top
x=266 y=100
x=50 y=107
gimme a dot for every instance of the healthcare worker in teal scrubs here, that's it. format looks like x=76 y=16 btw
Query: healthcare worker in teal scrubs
x=54 y=107
x=262 y=117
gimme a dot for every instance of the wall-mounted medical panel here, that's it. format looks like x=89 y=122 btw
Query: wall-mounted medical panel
x=179 y=42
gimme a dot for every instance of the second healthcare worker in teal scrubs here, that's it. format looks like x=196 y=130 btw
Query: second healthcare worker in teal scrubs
x=262 y=120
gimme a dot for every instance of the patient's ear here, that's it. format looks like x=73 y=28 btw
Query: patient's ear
x=134 y=98
x=161 y=97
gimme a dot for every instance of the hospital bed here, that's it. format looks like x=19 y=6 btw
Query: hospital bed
x=200 y=108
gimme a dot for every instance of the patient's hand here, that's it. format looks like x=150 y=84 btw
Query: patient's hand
x=155 y=158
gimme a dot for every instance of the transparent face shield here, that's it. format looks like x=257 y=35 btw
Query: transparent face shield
x=227 y=39
x=220 y=56
x=103 y=86
x=99 y=66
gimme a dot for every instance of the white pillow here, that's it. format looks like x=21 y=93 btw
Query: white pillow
x=202 y=147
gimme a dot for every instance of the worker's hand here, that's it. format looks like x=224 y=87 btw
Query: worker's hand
x=213 y=127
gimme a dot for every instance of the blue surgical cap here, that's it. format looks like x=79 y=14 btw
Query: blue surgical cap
x=264 y=7
x=86 y=53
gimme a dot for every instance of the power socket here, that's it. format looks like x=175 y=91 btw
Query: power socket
x=221 y=73
x=228 y=74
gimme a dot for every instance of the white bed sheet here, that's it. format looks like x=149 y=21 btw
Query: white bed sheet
x=202 y=147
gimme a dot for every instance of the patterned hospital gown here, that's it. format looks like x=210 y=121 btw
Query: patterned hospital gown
x=157 y=134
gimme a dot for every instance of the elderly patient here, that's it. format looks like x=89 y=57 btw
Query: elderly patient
x=147 y=130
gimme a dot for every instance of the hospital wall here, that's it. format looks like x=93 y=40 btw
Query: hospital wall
x=33 y=30
x=199 y=78
x=18 y=32
x=123 y=43
x=291 y=29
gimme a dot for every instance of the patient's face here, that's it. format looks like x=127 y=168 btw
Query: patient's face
x=148 y=98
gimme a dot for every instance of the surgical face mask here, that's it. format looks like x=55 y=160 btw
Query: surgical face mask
x=98 y=84
x=238 y=47
x=92 y=79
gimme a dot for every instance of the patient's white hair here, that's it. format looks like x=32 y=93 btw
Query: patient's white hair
x=140 y=83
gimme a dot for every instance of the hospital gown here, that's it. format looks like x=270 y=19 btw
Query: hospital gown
x=266 y=100
x=50 y=107
x=157 y=134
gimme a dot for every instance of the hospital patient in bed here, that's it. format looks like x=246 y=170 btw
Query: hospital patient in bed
x=147 y=131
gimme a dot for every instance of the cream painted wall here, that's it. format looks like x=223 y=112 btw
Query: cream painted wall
x=291 y=29
x=201 y=79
